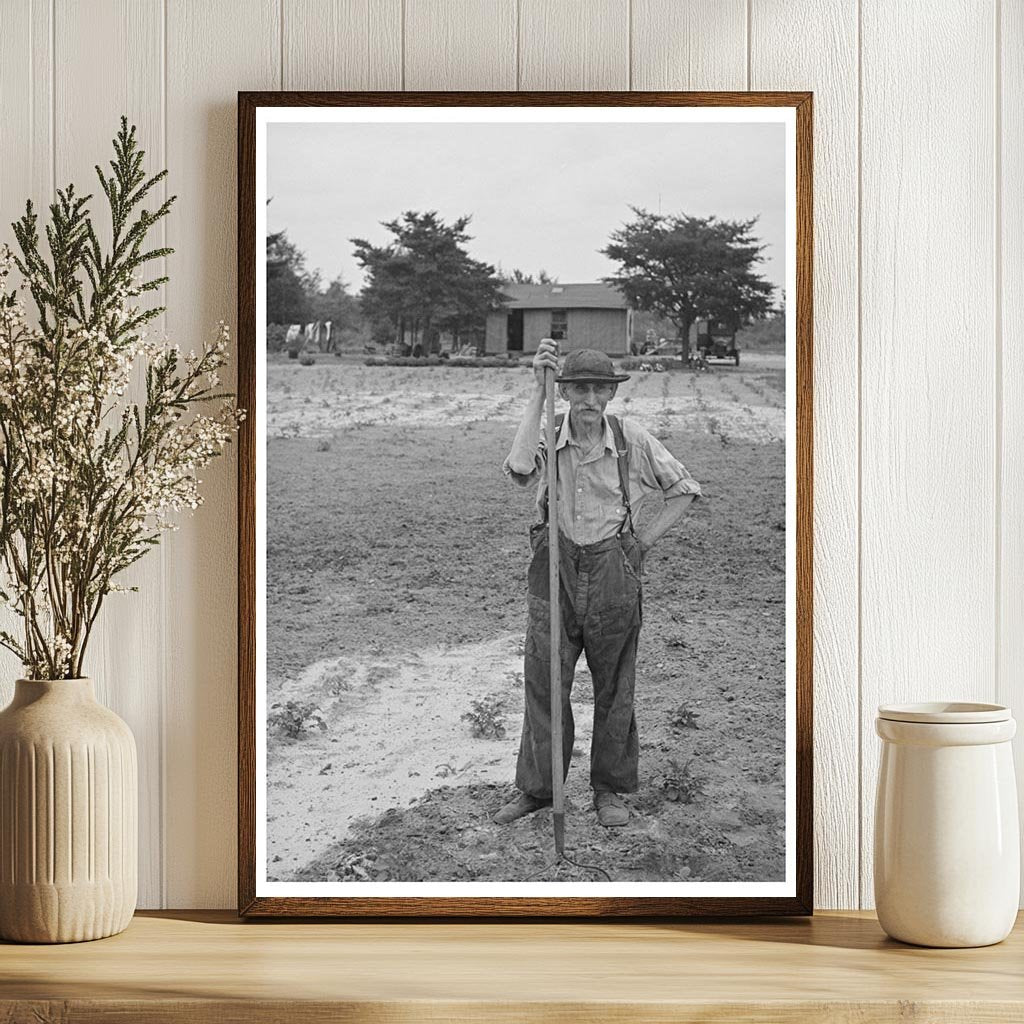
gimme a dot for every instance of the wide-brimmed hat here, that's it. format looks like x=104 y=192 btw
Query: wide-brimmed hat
x=587 y=366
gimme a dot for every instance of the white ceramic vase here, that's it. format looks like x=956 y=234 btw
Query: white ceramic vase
x=68 y=815
x=947 y=847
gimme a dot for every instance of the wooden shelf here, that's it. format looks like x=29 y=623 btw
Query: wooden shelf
x=208 y=966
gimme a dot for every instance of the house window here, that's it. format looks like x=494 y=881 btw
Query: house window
x=559 y=324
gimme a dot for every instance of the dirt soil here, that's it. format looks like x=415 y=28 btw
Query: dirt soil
x=396 y=568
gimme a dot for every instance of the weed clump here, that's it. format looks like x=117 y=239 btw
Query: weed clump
x=486 y=717
x=682 y=785
x=683 y=718
x=293 y=719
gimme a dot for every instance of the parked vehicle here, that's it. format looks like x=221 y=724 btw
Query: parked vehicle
x=716 y=339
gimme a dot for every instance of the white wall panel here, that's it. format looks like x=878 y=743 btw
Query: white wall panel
x=829 y=68
x=26 y=108
x=125 y=654
x=213 y=51
x=465 y=44
x=342 y=44
x=689 y=44
x=1010 y=311
x=574 y=44
x=26 y=111
x=928 y=364
x=920 y=181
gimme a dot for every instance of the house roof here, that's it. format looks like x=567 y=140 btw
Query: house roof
x=563 y=296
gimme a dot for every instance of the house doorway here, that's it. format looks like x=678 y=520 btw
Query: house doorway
x=515 y=331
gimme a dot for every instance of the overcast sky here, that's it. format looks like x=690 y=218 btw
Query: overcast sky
x=540 y=195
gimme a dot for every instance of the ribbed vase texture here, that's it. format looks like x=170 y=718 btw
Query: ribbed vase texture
x=68 y=815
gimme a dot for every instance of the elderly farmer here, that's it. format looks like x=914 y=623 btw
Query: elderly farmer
x=606 y=466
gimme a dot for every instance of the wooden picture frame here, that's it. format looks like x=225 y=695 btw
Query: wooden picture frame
x=257 y=897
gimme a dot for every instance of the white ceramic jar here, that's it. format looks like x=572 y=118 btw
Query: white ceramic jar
x=947 y=846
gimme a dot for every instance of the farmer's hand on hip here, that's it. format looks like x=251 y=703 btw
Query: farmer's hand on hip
x=546 y=358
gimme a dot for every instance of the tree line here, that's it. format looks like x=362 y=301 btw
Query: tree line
x=298 y=296
x=423 y=282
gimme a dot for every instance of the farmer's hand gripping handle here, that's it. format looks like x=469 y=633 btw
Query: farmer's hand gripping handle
x=557 y=767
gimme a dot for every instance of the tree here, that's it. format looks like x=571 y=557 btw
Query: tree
x=424 y=280
x=520 y=277
x=688 y=268
x=287 y=280
x=336 y=304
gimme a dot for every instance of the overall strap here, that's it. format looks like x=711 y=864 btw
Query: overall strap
x=622 y=461
x=558 y=430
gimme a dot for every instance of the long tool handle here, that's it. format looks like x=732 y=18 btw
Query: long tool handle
x=554 y=586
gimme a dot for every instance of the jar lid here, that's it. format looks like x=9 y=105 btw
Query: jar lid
x=945 y=713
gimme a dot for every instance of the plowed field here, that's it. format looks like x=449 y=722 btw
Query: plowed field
x=396 y=566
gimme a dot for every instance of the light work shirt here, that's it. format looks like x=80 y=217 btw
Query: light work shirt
x=590 y=505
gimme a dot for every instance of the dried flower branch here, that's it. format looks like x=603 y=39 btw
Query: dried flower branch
x=88 y=478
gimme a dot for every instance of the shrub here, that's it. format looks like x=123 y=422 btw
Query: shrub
x=276 y=336
x=681 y=785
x=486 y=717
x=293 y=719
x=497 y=362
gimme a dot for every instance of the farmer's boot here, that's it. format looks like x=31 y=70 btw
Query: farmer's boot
x=522 y=805
x=611 y=811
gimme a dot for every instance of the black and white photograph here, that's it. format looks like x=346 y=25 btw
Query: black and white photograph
x=525 y=410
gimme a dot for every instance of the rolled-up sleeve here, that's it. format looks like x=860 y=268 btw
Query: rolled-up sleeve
x=540 y=460
x=663 y=471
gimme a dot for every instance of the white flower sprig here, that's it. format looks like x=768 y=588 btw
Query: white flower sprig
x=88 y=478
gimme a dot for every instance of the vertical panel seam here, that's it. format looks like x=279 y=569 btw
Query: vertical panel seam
x=53 y=99
x=689 y=49
x=747 y=41
x=32 y=95
x=629 y=45
x=519 y=54
x=280 y=40
x=860 y=459
x=403 y=44
x=997 y=209
x=162 y=694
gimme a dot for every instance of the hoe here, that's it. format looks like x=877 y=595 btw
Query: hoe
x=554 y=587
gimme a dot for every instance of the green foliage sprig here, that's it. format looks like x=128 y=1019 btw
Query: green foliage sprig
x=88 y=477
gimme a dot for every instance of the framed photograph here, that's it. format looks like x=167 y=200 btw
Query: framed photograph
x=528 y=380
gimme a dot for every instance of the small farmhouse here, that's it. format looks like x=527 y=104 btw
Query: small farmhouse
x=578 y=315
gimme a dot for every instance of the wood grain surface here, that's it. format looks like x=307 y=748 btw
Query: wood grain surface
x=209 y=967
x=928 y=415
x=830 y=70
x=227 y=46
x=1009 y=268
x=132 y=676
x=341 y=44
x=698 y=44
x=26 y=127
x=478 y=38
x=574 y=44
